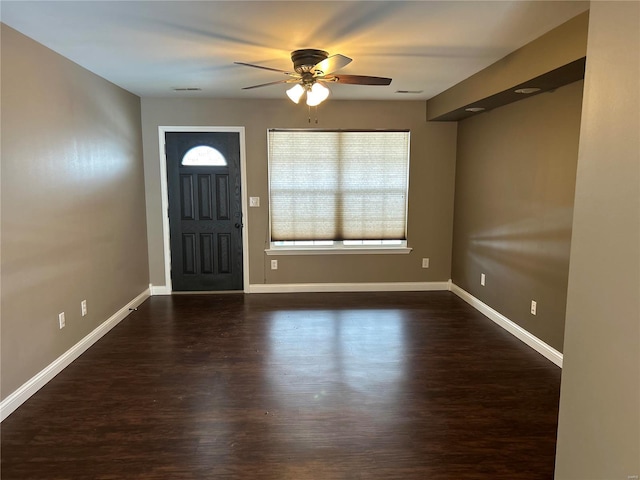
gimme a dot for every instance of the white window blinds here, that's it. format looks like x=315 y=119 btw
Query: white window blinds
x=338 y=185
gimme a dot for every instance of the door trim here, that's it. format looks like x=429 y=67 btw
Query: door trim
x=165 y=201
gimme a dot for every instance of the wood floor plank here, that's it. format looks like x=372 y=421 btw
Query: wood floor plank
x=294 y=386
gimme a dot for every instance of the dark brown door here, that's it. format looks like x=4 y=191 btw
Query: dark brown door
x=205 y=214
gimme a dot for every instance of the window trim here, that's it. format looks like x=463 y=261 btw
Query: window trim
x=340 y=248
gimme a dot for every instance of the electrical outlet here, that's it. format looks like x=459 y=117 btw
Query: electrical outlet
x=274 y=264
x=425 y=263
x=61 y=320
x=254 y=201
x=534 y=307
x=482 y=279
x=83 y=307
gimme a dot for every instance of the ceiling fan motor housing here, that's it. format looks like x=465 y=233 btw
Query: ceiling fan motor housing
x=304 y=60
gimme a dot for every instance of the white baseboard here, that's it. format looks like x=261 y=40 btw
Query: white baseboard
x=348 y=287
x=513 y=328
x=22 y=394
x=159 y=289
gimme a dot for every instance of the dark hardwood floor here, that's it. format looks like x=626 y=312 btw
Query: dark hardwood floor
x=294 y=386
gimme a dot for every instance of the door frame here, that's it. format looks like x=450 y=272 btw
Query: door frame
x=162 y=130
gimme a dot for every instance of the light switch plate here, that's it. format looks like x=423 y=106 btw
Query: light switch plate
x=254 y=201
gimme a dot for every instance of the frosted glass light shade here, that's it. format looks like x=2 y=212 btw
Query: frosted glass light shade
x=317 y=94
x=295 y=93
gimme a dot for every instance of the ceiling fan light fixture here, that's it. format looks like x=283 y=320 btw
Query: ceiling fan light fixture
x=317 y=94
x=311 y=69
x=295 y=93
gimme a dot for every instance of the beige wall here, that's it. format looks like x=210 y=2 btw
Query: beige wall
x=599 y=423
x=430 y=198
x=73 y=219
x=515 y=182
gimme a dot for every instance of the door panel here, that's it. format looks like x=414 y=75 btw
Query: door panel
x=207 y=253
x=205 y=214
x=186 y=194
x=204 y=197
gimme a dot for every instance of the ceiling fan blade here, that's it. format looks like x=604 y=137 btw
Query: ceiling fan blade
x=331 y=64
x=263 y=68
x=359 y=80
x=292 y=80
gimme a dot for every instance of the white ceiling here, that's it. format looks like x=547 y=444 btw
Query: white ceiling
x=150 y=47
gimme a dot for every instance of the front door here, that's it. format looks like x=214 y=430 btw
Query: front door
x=205 y=214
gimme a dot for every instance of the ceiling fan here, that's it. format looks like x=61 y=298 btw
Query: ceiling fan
x=312 y=68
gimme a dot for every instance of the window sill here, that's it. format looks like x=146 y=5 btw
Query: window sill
x=356 y=250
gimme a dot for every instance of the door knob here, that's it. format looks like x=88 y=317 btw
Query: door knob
x=239 y=225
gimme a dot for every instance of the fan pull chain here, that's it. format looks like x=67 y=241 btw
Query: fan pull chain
x=316 y=113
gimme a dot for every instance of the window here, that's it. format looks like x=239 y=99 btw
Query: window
x=346 y=188
x=203 y=156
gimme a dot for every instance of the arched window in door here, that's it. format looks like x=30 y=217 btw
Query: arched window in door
x=203 y=156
